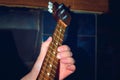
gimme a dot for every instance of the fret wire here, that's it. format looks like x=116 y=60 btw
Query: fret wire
x=50 y=60
x=51 y=57
x=46 y=63
x=58 y=37
x=53 y=45
x=50 y=54
x=51 y=74
x=62 y=31
x=55 y=63
x=53 y=66
x=53 y=50
x=47 y=75
x=44 y=71
x=56 y=40
x=51 y=71
x=43 y=74
x=46 y=60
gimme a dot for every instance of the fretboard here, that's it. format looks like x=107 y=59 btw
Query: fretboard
x=50 y=64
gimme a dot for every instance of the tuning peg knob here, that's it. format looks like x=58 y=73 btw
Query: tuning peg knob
x=50 y=7
x=61 y=5
x=50 y=3
x=50 y=10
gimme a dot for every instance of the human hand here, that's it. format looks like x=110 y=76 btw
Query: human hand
x=67 y=66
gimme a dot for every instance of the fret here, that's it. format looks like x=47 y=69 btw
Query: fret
x=55 y=62
x=52 y=52
x=58 y=37
x=51 y=76
x=56 y=41
x=60 y=28
x=47 y=67
x=50 y=56
x=53 y=49
x=53 y=46
x=48 y=70
x=53 y=66
x=48 y=73
x=43 y=74
x=50 y=62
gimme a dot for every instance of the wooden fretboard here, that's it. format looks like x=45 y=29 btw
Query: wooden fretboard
x=50 y=64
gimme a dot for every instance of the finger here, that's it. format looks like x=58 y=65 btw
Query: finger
x=45 y=45
x=64 y=54
x=38 y=63
x=68 y=60
x=43 y=51
x=63 y=48
x=72 y=68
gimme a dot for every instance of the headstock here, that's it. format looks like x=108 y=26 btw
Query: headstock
x=59 y=11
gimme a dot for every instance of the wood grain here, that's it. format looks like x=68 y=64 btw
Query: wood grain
x=76 y=5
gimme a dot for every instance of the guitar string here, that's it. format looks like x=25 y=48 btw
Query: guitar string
x=58 y=39
x=57 y=31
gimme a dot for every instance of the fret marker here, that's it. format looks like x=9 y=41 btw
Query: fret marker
x=60 y=30
x=50 y=65
x=48 y=74
x=56 y=43
x=54 y=52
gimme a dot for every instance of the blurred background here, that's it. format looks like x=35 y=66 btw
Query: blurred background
x=93 y=39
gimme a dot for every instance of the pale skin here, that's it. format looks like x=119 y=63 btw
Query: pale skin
x=67 y=66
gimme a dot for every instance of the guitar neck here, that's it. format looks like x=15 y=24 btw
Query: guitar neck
x=50 y=64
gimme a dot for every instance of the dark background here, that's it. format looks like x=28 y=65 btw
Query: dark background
x=93 y=39
x=108 y=43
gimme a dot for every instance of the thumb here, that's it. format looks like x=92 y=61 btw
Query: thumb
x=37 y=66
x=45 y=45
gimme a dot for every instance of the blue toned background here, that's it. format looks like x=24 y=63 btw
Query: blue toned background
x=22 y=30
x=93 y=39
x=81 y=37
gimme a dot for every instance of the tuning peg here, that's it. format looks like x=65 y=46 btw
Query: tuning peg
x=61 y=5
x=62 y=11
x=50 y=10
x=50 y=3
x=64 y=17
x=50 y=7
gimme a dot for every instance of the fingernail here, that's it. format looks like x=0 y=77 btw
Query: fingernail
x=49 y=38
x=70 y=67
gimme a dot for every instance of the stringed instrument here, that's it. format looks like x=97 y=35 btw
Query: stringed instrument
x=50 y=66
